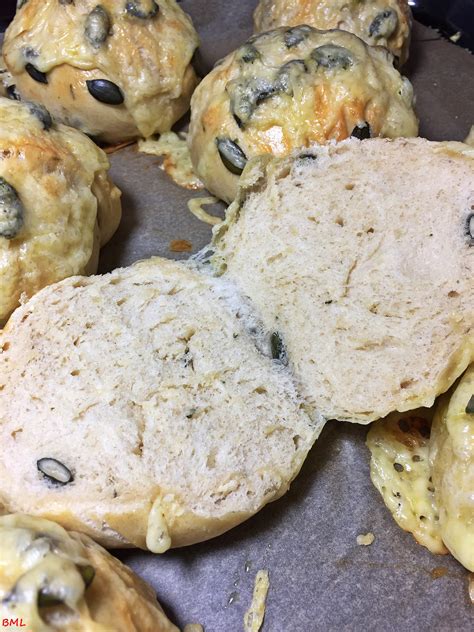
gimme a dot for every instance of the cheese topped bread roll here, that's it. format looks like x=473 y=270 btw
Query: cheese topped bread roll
x=378 y=22
x=114 y=69
x=57 y=203
x=52 y=579
x=289 y=88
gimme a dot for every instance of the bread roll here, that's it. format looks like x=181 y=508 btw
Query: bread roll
x=378 y=22
x=361 y=255
x=57 y=203
x=51 y=579
x=289 y=88
x=115 y=70
x=144 y=408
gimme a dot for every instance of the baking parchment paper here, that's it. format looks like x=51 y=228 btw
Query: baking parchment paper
x=320 y=579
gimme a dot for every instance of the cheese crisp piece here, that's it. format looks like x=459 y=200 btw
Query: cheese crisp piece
x=400 y=470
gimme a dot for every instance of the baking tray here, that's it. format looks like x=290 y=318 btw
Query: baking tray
x=320 y=579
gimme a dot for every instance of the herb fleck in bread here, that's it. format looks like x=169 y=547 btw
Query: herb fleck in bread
x=361 y=255
x=137 y=408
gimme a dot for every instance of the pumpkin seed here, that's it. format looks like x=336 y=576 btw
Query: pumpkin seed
x=65 y=2
x=384 y=24
x=11 y=211
x=361 y=131
x=13 y=93
x=36 y=74
x=288 y=75
x=470 y=229
x=105 y=91
x=97 y=26
x=87 y=573
x=55 y=471
x=470 y=406
x=248 y=54
x=143 y=9
x=246 y=95
x=41 y=113
x=20 y=3
x=231 y=154
x=296 y=35
x=278 y=348
x=333 y=56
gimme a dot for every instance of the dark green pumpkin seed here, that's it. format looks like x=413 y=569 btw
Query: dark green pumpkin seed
x=143 y=9
x=289 y=74
x=41 y=113
x=55 y=471
x=278 y=348
x=333 y=56
x=13 y=93
x=361 y=131
x=66 y=2
x=470 y=229
x=246 y=95
x=231 y=154
x=36 y=74
x=97 y=26
x=398 y=467
x=296 y=35
x=384 y=24
x=47 y=599
x=470 y=406
x=87 y=573
x=105 y=91
x=11 y=211
x=247 y=54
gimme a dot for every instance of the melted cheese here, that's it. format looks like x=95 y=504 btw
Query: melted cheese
x=158 y=539
x=37 y=555
x=400 y=470
x=452 y=462
x=365 y=539
x=195 y=206
x=177 y=160
x=255 y=615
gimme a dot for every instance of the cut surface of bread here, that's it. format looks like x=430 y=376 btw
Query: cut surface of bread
x=144 y=408
x=361 y=256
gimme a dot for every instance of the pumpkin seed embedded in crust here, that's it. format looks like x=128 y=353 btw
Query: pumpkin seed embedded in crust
x=36 y=74
x=232 y=156
x=142 y=9
x=97 y=26
x=11 y=211
x=105 y=91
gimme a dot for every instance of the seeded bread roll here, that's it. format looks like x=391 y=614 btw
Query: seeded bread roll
x=141 y=408
x=289 y=88
x=361 y=256
x=54 y=580
x=452 y=466
x=57 y=204
x=378 y=22
x=115 y=69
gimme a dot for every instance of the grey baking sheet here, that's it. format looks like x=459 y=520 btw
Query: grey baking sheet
x=320 y=579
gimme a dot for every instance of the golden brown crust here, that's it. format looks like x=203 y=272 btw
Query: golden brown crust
x=148 y=59
x=70 y=207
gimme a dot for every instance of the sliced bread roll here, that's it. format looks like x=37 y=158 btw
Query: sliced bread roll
x=361 y=256
x=144 y=408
